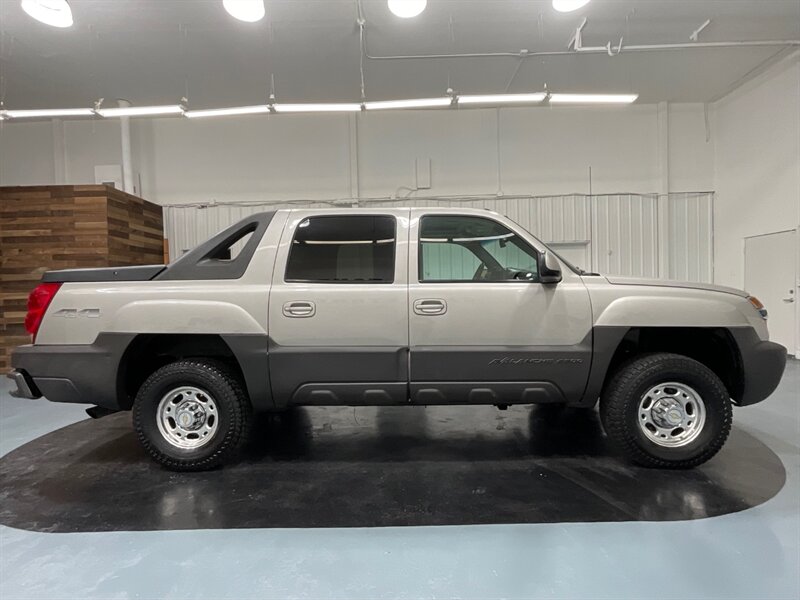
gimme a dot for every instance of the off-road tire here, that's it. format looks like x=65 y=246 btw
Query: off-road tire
x=234 y=413
x=620 y=401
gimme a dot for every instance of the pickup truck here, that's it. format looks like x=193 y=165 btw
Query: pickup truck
x=419 y=306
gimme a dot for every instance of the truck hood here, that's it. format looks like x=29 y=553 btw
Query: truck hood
x=619 y=280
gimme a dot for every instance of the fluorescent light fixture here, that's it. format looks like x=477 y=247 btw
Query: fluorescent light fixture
x=140 y=111
x=245 y=10
x=569 y=5
x=414 y=103
x=302 y=108
x=50 y=112
x=593 y=98
x=228 y=112
x=56 y=13
x=502 y=98
x=405 y=9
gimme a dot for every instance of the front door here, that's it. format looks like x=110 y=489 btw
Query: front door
x=338 y=322
x=482 y=329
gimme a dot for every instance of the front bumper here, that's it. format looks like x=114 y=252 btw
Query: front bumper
x=26 y=388
x=763 y=363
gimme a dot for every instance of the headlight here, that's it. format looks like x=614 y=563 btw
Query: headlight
x=758 y=306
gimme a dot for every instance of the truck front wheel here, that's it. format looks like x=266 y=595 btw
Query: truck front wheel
x=666 y=410
x=192 y=415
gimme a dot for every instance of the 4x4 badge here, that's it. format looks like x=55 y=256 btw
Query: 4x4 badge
x=72 y=313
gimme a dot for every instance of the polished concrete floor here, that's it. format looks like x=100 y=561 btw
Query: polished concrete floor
x=100 y=488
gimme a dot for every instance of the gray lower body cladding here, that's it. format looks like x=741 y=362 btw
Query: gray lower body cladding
x=763 y=363
x=81 y=374
x=88 y=373
x=358 y=375
x=499 y=374
x=277 y=376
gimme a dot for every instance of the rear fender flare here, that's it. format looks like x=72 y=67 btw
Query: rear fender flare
x=184 y=317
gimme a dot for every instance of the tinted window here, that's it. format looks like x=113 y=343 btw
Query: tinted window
x=351 y=249
x=454 y=248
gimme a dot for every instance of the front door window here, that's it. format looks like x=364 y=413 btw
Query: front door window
x=473 y=249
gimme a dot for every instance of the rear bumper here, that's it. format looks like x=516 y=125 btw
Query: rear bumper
x=763 y=363
x=80 y=374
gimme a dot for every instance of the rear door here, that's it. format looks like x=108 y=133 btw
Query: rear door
x=482 y=329
x=338 y=320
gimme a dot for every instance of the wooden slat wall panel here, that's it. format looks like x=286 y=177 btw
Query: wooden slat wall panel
x=44 y=228
x=135 y=228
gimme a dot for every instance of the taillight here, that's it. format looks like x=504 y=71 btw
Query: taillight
x=38 y=301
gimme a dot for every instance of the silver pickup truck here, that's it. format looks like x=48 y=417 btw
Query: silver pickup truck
x=419 y=306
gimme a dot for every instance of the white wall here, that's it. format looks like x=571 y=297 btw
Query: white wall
x=243 y=158
x=540 y=151
x=26 y=154
x=691 y=157
x=87 y=144
x=756 y=132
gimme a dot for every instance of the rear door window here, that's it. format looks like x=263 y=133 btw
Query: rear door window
x=346 y=249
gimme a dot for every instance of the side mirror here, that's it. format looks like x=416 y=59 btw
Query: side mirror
x=549 y=268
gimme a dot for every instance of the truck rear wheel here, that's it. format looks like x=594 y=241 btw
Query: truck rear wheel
x=667 y=411
x=192 y=415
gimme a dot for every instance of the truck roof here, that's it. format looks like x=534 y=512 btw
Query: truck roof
x=391 y=209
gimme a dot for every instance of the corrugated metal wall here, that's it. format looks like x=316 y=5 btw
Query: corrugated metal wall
x=691 y=237
x=621 y=230
x=624 y=237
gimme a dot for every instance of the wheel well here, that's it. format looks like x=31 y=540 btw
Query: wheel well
x=714 y=347
x=149 y=352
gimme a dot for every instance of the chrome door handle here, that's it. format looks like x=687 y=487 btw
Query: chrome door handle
x=299 y=309
x=430 y=306
x=788 y=300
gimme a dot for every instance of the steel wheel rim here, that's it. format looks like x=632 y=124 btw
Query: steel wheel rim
x=187 y=417
x=671 y=414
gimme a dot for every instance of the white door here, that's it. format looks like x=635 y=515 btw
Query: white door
x=769 y=274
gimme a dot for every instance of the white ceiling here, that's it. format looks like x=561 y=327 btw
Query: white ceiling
x=156 y=51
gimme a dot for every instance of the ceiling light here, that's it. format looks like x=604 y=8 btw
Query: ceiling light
x=50 y=12
x=245 y=10
x=298 y=108
x=593 y=98
x=50 y=112
x=569 y=5
x=227 y=112
x=405 y=9
x=415 y=103
x=140 y=111
x=501 y=98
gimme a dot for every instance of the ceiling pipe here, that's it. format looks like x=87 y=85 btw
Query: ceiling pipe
x=688 y=46
x=125 y=138
x=696 y=33
x=592 y=50
x=578 y=48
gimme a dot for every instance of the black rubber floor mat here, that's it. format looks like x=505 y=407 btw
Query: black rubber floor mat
x=368 y=467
